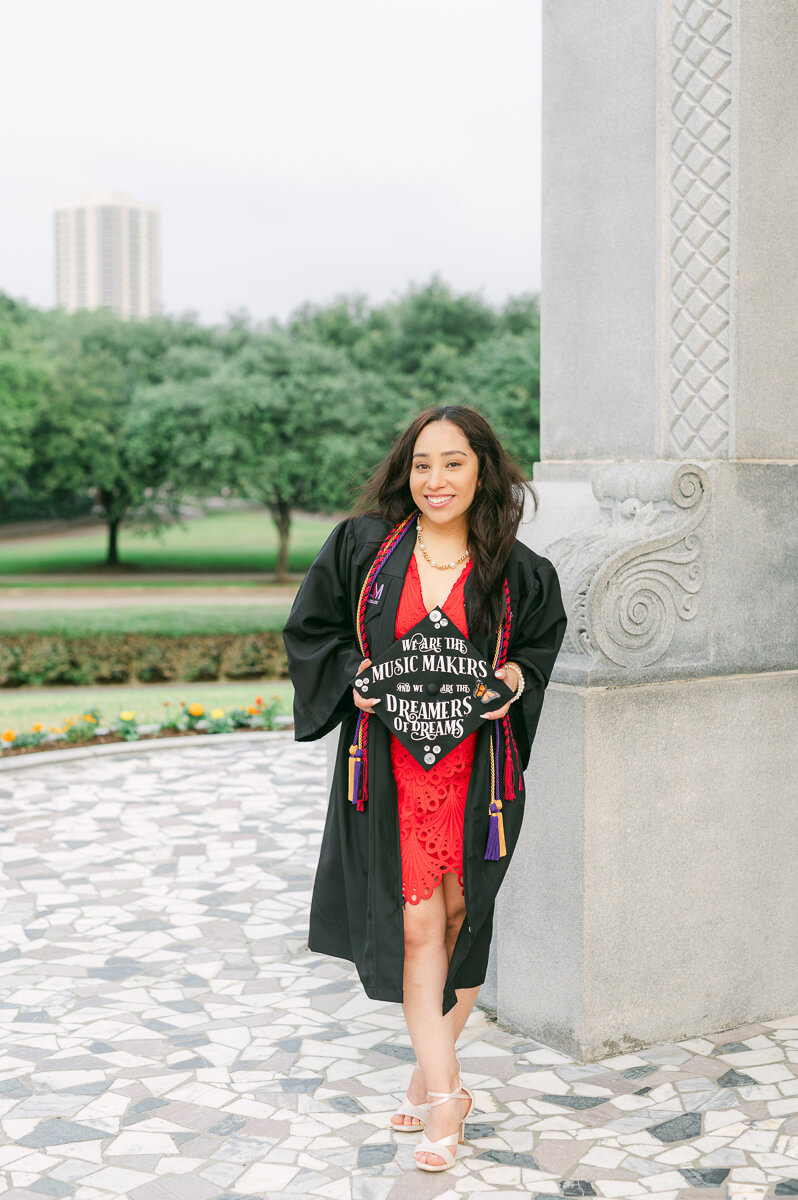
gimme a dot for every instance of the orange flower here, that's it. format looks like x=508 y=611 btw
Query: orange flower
x=37 y=728
x=259 y=700
x=196 y=709
x=8 y=735
x=252 y=710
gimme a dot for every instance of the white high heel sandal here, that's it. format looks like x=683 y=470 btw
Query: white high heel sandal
x=441 y=1147
x=419 y=1111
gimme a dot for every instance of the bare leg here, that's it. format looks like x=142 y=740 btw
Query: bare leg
x=417 y=1091
x=455 y=915
x=466 y=997
x=430 y=931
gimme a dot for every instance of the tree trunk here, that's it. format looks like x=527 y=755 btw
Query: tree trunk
x=281 y=513
x=113 y=559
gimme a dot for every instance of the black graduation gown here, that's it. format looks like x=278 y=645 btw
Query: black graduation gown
x=357 y=906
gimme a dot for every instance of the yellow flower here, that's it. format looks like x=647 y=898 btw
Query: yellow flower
x=217 y=713
x=52 y=729
x=91 y=719
x=127 y=715
x=37 y=728
x=195 y=709
x=9 y=735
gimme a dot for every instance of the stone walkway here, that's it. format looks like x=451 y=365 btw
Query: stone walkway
x=166 y=1035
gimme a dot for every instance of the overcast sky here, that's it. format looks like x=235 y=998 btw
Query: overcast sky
x=296 y=149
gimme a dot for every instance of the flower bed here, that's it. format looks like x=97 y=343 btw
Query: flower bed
x=191 y=719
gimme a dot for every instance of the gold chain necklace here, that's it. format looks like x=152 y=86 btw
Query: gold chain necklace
x=431 y=561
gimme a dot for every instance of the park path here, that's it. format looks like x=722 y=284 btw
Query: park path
x=165 y=1034
x=212 y=593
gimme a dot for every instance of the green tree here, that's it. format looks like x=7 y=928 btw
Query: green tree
x=137 y=415
x=287 y=423
x=341 y=323
x=431 y=316
x=501 y=378
x=78 y=436
x=521 y=314
x=25 y=379
x=396 y=338
x=26 y=383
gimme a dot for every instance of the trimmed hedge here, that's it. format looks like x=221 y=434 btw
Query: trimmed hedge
x=29 y=659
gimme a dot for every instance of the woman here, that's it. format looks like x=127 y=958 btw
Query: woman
x=411 y=861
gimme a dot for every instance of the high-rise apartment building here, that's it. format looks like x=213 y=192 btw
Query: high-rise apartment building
x=108 y=255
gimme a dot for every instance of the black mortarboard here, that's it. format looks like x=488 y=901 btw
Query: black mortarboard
x=434 y=685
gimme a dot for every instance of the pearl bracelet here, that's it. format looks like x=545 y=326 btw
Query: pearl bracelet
x=521 y=680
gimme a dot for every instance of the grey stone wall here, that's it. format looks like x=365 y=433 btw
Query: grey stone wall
x=654 y=893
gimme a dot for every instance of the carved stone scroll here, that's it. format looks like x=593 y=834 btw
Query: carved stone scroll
x=629 y=583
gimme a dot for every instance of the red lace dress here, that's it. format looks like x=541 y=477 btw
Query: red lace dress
x=431 y=803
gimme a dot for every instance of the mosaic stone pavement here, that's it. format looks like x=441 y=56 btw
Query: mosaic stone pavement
x=166 y=1034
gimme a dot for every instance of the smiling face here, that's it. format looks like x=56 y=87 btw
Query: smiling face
x=443 y=474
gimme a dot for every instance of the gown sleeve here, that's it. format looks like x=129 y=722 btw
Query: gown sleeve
x=320 y=640
x=536 y=635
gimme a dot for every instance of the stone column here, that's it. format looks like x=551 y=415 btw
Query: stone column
x=654 y=894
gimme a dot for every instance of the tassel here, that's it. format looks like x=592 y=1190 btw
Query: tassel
x=362 y=792
x=519 y=774
x=496 y=847
x=513 y=775
x=356 y=780
x=355 y=756
x=361 y=782
x=350 y=791
x=495 y=834
x=509 y=777
x=357 y=776
x=358 y=763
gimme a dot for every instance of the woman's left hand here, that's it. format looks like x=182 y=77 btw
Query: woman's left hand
x=511 y=679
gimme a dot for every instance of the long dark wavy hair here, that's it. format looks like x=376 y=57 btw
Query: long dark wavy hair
x=493 y=517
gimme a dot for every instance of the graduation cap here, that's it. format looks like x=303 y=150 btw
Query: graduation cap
x=434 y=686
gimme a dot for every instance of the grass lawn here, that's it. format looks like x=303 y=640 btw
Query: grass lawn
x=239 y=540
x=221 y=542
x=163 y=620
x=21 y=708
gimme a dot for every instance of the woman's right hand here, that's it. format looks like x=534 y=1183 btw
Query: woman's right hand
x=366 y=705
